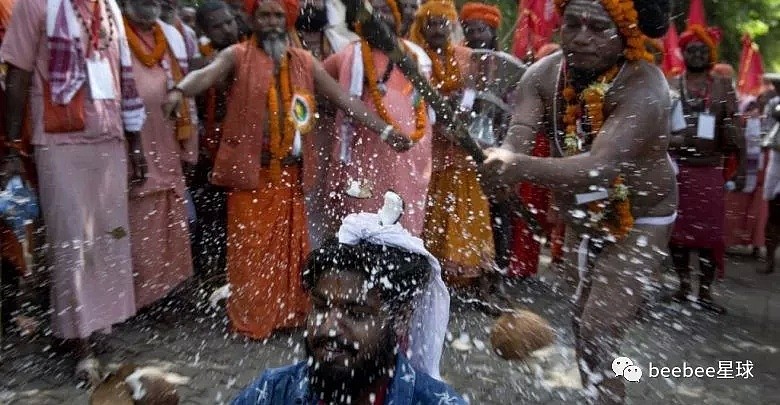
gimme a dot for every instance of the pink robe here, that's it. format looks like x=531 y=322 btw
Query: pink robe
x=372 y=160
x=83 y=189
x=158 y=220
x=747 y=214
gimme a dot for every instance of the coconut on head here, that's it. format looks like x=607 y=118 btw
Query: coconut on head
x=517 y=334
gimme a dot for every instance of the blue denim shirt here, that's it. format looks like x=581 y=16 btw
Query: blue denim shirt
x=289 y=385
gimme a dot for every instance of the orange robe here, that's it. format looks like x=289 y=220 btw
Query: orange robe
x=457 y=222
x=267 y=233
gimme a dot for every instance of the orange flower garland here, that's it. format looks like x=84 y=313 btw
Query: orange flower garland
x=393 y=4
x=160 y=45
x=620 y=221
x=625 y=17
x=420 y=110
x=281 y=134
x=447 y=77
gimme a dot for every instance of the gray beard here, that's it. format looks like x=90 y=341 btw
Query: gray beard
x=275 y=46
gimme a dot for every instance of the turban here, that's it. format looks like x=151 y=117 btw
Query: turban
x=491 y=15
x=709 y=36
x=290 y=9
x=431 y=8
x=432 y=310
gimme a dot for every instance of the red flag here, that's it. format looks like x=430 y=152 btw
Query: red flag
x=696 y=13
x=535 y=26
x=751 y=68
x=673 y=63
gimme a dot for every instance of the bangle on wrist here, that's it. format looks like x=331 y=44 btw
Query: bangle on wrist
x=386 y=133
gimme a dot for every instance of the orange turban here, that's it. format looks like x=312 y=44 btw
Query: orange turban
x=491 y=15
x=431 y=8
x=709 y=36
x=290 y=7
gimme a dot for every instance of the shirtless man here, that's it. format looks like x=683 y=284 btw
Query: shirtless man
x=617 y=139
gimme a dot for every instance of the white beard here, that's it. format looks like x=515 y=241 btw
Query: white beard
x=275 y=46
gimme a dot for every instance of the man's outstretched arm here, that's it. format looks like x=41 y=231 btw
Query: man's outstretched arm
x=355 y=108
x=624 y=136
x=200 y=80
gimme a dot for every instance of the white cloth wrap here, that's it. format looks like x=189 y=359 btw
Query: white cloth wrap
x=432 y=309
x=133 y=113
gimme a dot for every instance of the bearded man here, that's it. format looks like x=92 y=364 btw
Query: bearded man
x=457 y=221
x=359 y=161
x=158 y=219
x=375 y=334
x=269 y=114
x=85 y=73
x=709 y=105
x=600 y=101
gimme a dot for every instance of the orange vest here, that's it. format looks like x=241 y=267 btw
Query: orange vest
x=237 y=164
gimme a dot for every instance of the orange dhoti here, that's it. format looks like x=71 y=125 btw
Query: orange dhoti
x=267 y=247
x=458 y=231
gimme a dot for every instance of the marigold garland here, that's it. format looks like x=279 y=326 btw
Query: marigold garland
x=206 y=50
x=446 y=77
x=393 y=4
x=625 y=17
x=615 y=214
x=420 y=110
x=281 y=134
x=148 y=59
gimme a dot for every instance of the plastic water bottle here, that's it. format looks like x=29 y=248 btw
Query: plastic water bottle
x=730 y=185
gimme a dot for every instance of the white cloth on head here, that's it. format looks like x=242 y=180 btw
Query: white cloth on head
x=337 y=32
x=432 y=309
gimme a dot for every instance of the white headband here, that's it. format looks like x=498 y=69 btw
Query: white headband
x=432 y=309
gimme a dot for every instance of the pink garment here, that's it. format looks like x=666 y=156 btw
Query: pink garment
x=163 y=152
x=83 y=191
x=700 y=211
x=158 y=220
x=372 y=160
x=26 y=47
x=746 y=216
x=160 y=245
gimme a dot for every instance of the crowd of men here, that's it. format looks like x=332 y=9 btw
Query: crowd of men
x=247 y=136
